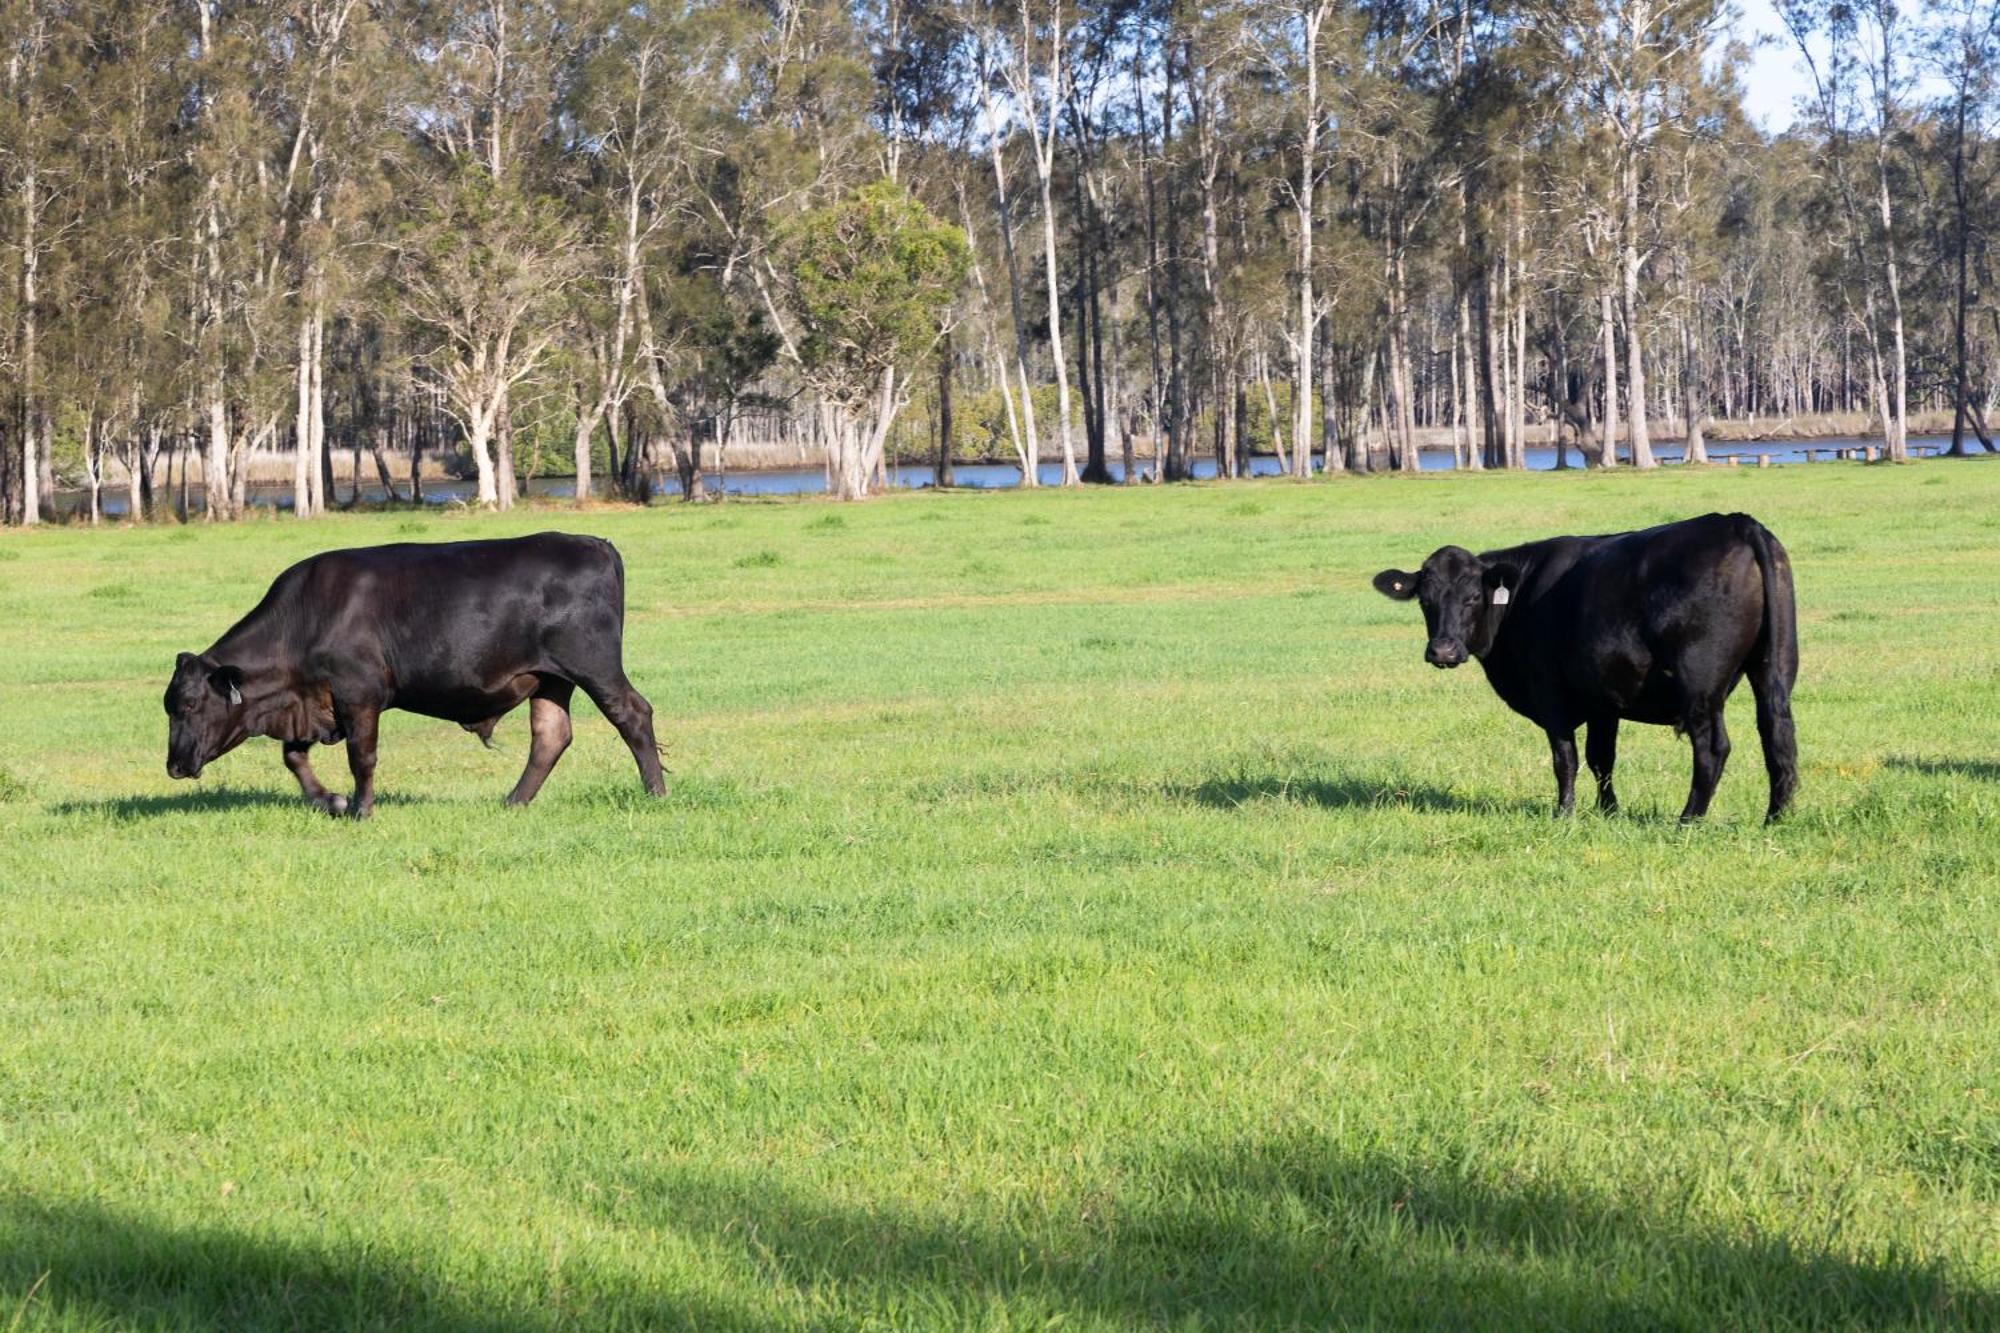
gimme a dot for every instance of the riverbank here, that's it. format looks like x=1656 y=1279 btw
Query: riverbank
x=274 y=467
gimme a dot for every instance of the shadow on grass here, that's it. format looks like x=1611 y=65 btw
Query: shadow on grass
x=1278 y=1234
x=1986 y=770
x=1287 y=1234
x=217 y=800
x=88 y=1267
x=1347 y=793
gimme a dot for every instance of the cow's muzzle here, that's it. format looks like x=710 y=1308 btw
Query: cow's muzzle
x=1444 y=654
x=177 y=769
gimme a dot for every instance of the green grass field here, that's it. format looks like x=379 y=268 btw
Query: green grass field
x=1069 y=910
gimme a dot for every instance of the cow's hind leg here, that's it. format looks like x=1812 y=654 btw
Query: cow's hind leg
x=1711 y=751
x=1771 y=683
x=1600 y=751
x=628 y=711
x=1562 y=751
x=309 y=783
x=548 y=732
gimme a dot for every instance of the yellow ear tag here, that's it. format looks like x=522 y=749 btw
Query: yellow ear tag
x=1500 y=596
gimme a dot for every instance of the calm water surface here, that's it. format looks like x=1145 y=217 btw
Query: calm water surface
x=978 y=476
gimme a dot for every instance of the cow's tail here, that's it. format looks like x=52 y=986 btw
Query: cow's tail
x=1774 y=665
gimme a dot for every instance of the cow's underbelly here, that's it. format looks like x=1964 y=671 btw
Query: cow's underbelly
x=1639 y=687
x=465 y=702
x=1623 y=680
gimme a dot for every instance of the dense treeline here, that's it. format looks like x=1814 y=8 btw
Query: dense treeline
x=619 y=238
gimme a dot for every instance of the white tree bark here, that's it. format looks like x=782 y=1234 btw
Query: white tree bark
x=1635 y=364
x=1042 y=133
x=1607 y=454
x=1312 y=16
x=31 y=471
x=1030 y=468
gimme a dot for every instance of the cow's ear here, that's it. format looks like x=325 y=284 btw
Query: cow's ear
x=1397 y=584
x=1501 y=580
x=228 y=682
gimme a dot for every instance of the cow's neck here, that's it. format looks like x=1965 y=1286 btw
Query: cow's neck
x=251 y=645
x=276 y=702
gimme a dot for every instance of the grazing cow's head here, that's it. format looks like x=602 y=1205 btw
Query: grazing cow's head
x=1464 y=601
x=204 y=714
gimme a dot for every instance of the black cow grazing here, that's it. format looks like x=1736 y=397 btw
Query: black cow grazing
x=458 y=630
x=1652 y=626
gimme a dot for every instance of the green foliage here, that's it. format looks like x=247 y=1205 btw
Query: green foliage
x=1101 y=942
x=1255 y=422
x=978 y=424
x=872 y=276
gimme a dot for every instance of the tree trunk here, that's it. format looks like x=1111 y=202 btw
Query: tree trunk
x=478 y=432
x=1493 y=445
x=1047 y=171
x=32 y=498
x=1312 y=16
x=945 y=356
x=302 y=459
x=1607 y=449
x=503 y=454
x=1030 y=473
x=585 y=441
x=1897 y=419
x=1961 y=389
x=1635 y=366
x=1158 y=399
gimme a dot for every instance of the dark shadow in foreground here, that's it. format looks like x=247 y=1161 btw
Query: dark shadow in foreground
x=90 y=1268
x=210 y=801
x=1287 y=1234
x=1347 y=793
x=1278 y=1234
x=1985 y=770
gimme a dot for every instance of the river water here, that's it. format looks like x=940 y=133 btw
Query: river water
x=978 y=476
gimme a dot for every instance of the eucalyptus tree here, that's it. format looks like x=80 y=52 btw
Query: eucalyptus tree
x=329 y=81
x=1964 y=53
x=870 y=278
x=124 y=95
x=1035 y=71
x=482 y=269
x=27 y=153
x=488 y=249
x=629 y=108
x=1854 y=55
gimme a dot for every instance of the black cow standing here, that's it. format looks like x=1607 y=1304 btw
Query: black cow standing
x=458 y=630
x=1652 y=626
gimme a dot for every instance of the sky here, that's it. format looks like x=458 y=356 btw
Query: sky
x=1775 y=79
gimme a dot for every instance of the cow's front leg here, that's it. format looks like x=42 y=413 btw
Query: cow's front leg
x=359 y=726
x=1562 y=750
x=309 y=783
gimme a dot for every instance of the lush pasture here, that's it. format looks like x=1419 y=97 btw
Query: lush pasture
x=1069 y=909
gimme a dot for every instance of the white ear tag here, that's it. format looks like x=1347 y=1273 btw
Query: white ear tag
x=235 y=695
x=1500 y=595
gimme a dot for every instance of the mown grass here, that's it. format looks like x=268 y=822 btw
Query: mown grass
x=1077 y=909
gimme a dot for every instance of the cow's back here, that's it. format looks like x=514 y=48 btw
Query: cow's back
x=450 y=615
